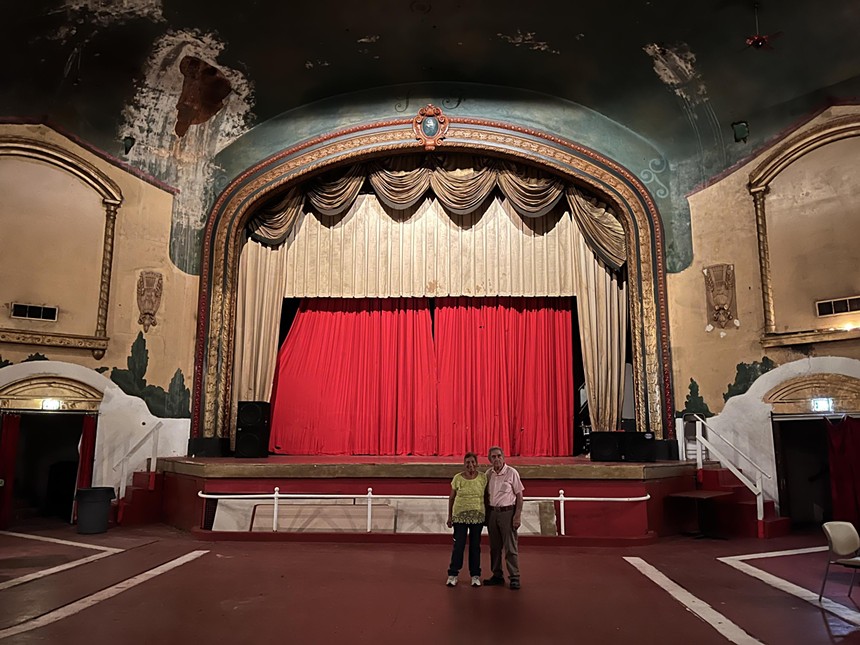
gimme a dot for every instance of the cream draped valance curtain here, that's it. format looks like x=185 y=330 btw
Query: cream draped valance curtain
x=461 y=183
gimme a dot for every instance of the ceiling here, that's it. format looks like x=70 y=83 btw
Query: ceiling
x=648 y=65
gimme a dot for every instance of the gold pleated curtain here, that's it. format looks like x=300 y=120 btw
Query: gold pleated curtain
x=556 y=251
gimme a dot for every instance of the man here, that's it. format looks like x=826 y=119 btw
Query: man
x=504 y=507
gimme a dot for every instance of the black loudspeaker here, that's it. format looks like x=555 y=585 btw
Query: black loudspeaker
x=252 y=429
x=606 y=446
x=667 y=449
x=638 y=446
x=208 y=447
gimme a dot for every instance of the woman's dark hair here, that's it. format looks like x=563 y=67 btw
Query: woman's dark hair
x=470 y=454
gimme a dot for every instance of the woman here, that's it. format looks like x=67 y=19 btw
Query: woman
x=466 y=516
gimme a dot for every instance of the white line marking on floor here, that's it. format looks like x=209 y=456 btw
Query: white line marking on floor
x=700 y=608
x=14 y=582
x=737 y=561
x=84 y=603
x=43 y=538
x=105 y=552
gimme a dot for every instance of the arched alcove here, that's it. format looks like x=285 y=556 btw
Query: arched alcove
x=613 y=183
x=111 y=198
x=800 y=145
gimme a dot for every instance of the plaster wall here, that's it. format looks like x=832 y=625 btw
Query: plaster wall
x=724 y=231
x=53 y=228
x=813 y=226
x=141 y=243
x=123 y=421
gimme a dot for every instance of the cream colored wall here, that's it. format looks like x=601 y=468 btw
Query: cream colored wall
x=53 y=227
x=141 y=243
x=724 y=231
x=813 y=217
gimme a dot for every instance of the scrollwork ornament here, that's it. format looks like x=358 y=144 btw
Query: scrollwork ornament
x=430 y=126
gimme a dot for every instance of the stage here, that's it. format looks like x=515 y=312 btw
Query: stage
x=640 y=518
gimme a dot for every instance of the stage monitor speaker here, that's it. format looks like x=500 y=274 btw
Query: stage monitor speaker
x=638 y=446
x=605 y=446
x=252 y=429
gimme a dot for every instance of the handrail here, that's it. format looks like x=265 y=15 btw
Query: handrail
x=124 y=461
x=756 y=488
x=369 y=496
x=736 y=449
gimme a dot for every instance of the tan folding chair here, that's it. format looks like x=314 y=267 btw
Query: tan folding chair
x=844 y=543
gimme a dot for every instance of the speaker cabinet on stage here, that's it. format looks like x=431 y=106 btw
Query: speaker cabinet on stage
x=606 y=446
x=638 y=446
x=252 y=429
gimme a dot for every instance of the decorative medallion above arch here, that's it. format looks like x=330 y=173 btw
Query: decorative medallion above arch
x=613 y=183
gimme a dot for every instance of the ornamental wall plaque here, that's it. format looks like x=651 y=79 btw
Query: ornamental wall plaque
x=149 y=287
x=430 y=126
x=720 y=296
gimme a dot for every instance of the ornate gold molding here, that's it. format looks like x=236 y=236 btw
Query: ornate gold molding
x=615 y=184
x=795 y=395
x=786 y=153
x=72 y=341
x=111 y=196
x=807 y=337
x=53 y=393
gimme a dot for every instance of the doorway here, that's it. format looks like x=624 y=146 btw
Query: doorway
x=43 y=464
x=803 y=470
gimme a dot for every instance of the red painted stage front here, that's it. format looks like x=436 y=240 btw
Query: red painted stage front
x=603 y=522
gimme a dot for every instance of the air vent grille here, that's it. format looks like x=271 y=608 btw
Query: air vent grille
x=838 y=306
x=34 y=312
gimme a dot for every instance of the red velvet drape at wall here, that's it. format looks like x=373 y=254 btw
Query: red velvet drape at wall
x=844 y=454
x=505 y=375
x=10 y=427
x=356 y=377
x=87 y=451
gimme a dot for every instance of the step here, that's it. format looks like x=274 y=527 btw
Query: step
x=151 y=480
x=139 y=506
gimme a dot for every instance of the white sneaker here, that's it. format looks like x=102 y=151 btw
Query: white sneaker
x=452 y=581
x=476 y=581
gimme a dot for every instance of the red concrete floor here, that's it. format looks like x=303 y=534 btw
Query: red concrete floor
x=241 y=592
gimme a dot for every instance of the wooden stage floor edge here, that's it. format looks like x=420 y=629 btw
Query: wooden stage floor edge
x=425 y=468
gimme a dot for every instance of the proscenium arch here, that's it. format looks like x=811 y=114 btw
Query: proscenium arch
x=617 y=186
x=111 y=196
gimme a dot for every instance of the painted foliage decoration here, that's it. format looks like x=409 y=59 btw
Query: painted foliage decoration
x=149 y=288
x=720 y=295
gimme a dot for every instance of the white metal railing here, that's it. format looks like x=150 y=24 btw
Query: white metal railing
x=754 y=486
x=369 y=497
x=123 y=463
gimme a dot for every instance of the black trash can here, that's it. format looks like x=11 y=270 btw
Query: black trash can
x=94 y=508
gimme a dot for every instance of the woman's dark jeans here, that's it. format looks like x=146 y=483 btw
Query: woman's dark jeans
x=474 y=533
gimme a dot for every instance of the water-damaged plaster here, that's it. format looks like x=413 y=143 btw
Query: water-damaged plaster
x=184 y=162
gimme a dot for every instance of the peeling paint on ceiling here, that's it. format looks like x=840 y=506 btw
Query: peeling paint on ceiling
x=528 y=41
x=153 y=117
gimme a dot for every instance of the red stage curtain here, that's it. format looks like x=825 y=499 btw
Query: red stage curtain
x=844 y=455
x=356 y=377
x=10 y=426
x=505 y=375
x=87 y=451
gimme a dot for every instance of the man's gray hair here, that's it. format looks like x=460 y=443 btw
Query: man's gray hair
x=492 y=448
